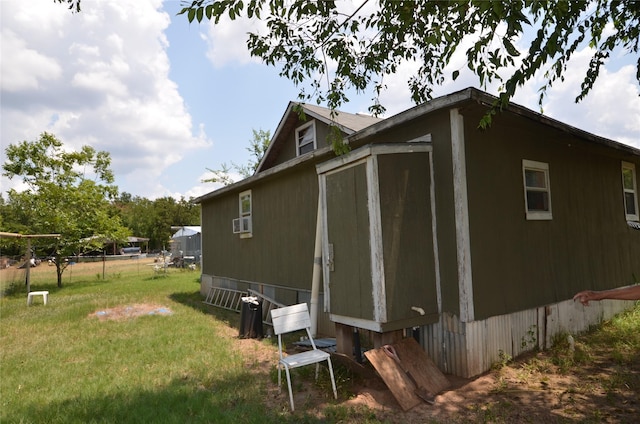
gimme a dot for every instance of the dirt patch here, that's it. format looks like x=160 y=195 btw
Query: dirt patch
x=120 y=313
x=528 y=390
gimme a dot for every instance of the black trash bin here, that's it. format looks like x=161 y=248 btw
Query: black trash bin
x=251 y=318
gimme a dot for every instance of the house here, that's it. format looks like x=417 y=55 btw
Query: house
x=186 y=242
x=473 y=241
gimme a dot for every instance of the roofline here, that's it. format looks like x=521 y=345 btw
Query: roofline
x=439 y=103
x=410 y=114
x=290 y=164
x=283 y=118
x=308 y=112
x=564 y=127
x=479 y=96
x=314 y=115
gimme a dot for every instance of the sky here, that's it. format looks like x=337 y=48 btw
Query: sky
x=169 y=99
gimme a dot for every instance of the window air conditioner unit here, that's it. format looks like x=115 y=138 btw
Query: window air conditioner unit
x=242 y=225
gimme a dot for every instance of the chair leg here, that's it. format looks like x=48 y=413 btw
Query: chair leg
x=286 y=370
x=333 y=380
x=279 y=378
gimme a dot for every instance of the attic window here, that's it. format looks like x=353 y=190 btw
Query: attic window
x=630 y=191
x=306 y=138
x=537 y=191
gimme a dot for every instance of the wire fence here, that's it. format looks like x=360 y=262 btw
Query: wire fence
x=13 y=273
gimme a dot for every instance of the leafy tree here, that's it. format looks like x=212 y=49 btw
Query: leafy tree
x=257 y=148
x=311 y=38
x=338 y=49
x=68 y=193
x=154 y=218
x=168 y=212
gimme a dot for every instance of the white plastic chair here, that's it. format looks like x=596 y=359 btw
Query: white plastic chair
x=295 y=318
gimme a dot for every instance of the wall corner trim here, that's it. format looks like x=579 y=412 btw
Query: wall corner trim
x=463 y=244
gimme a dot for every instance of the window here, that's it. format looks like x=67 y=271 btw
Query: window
x=537 y=191
x=306 y=138
x=244 y=224
x=630 y=191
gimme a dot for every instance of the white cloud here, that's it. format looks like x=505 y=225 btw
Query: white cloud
x=201 y=188
x=227 y=41
x=611 y=110
x=27 y=67
x=100 y=77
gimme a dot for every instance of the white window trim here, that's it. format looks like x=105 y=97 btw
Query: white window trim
x=311 y=124
x=537 y=166
x=243 y=214
x=634 y=190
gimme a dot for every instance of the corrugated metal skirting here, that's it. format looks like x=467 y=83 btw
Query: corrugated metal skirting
x=469 y=349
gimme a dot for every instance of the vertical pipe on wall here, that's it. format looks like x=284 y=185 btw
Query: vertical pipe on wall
x=317 y=268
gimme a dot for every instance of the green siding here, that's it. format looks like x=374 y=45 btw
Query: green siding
x=281 y=249
x=438 y=125
x=516 y=264
x=288 y=150
x=348 y=232
x=405 y=207
x=519 y=264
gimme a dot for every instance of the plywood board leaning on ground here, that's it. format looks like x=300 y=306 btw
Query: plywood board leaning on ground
x=416 y=362
x=422 y=368
x=395 y=378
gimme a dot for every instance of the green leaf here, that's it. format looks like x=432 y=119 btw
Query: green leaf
x=511 y=49
x=305 y=38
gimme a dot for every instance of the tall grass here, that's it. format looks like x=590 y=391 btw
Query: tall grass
x=61 y=364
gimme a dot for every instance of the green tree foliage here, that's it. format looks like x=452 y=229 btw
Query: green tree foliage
x=336 y=49
x=257 y=148
x=67 y=192
x=154 y=218
x=373 y=38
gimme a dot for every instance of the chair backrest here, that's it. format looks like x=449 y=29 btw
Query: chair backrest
x=290 y=318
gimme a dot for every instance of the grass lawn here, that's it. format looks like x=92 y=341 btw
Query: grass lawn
x=61 y=363
x=67 y=363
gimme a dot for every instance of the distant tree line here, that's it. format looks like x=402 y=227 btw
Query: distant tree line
x=153 y=218
x=72 y=193
x=142 y=217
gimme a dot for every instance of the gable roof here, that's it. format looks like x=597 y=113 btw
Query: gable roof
x=348 y=123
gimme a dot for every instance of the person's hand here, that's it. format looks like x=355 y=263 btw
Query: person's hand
x=584 y=297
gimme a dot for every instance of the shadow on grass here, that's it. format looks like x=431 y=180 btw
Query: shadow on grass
x=195 y=300
x=234 y=400
x=19 y=289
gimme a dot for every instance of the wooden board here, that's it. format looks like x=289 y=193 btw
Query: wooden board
x=422 y=368
x=415 y=361
x=395 y=379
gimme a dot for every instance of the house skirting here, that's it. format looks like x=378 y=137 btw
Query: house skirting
x=286 y=295
x=467 y=349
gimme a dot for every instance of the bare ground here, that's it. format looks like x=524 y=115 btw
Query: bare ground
x=542 y=387
x=124 y=312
